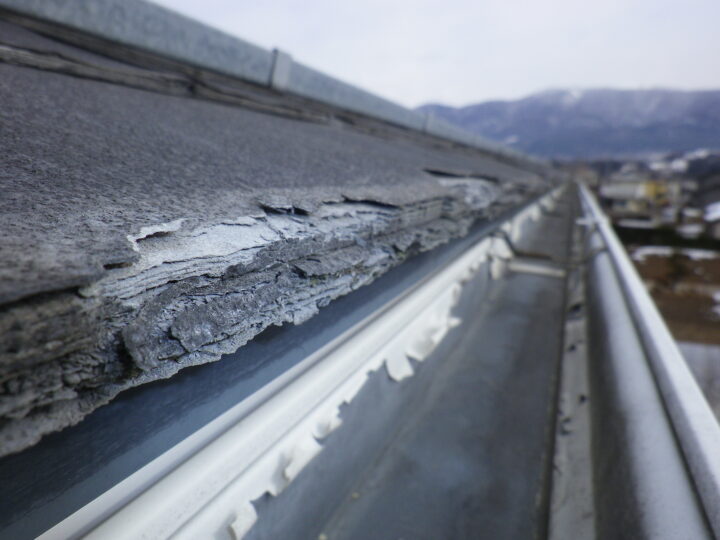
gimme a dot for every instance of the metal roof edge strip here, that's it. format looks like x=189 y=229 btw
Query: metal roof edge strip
x=151 y=27
x=161 y=31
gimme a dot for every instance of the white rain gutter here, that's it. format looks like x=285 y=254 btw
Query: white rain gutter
x=693 y=421
x=204 y=486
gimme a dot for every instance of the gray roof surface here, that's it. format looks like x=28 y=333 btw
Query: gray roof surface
x=143 y=26
x=155 y=218
x=86 y=163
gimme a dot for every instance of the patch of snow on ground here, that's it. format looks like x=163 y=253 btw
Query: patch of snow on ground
x=647 y=251
x=641 y=253
x=690 y=230
x=712 y=212
x=700 y=254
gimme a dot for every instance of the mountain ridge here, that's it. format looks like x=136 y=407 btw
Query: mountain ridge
x=596 y=122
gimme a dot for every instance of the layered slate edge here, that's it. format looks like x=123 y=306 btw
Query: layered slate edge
x=194 y=295
x=185 y=291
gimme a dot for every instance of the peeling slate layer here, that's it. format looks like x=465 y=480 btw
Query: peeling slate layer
x=145 y=232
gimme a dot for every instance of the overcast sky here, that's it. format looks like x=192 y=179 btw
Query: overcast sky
x=463 y=51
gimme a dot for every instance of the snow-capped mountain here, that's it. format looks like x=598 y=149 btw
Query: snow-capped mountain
x=595 y=123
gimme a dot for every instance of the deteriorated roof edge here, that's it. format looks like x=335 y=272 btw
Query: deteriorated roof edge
x=195 y=294
x=165 y=232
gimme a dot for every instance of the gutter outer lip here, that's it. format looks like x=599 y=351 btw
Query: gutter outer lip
x=696 y=428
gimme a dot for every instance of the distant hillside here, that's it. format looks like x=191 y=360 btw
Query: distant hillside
x=596 y=123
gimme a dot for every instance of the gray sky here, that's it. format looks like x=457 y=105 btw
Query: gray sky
x=461 y=51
